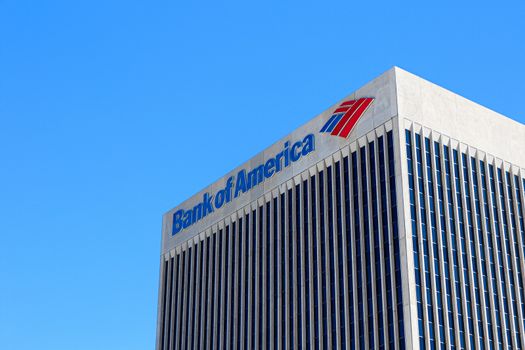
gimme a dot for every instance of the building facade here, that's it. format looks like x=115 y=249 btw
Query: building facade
x=393 y=220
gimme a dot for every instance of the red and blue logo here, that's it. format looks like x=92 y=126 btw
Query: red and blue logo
x=346 y=116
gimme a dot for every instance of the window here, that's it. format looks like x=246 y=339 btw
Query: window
x=395 y=239
x=282 y=267
x=492 y=254
x=349 y=259
x=207 y=287
x=444 y=243
x=182 y=287
x=290 y=286
x=331 y=255
x=274 y=253
x=322 y=241
x=164 y=295
x=415 y=239
x=376 y=234
x=298 y=263
x=453 y=243
x=306 y=253
x=386 y=243
x=246 y=265
x=357 y=234
x=313 y=191
x=340 y=255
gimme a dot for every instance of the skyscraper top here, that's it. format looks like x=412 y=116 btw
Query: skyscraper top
x=395 y=97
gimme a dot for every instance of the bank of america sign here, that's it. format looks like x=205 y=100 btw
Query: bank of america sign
x=346 y=116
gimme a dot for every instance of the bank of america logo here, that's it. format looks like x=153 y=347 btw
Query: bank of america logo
x=346 y=116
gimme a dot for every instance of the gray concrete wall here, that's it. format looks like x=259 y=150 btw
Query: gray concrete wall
x=456 y=117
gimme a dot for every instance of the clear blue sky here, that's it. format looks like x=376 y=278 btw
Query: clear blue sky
x=113 y=112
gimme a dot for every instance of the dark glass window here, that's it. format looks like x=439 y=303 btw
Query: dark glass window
x=357 y=233
x=313 y=191
x=434 y=244
x=260 y=279
x=246 y=289
x=322 y=241
x=481 y=246
x=213 y=282
x=517 y=264
x=463 y=245
x=164 y=302
x=444 y=243
x=175 y=293
x=453 y=244
x=395 y=238
x=306 y=251
x=275 y=271
x=386 y=243
x=522 y=236
x=182 y=288
x=253 y=310
x=220 y=303
x=173 y=288
x=367 y=245
x=415 y=239
x=198 y=292
x=207 y=288
x=298 y=213
x=423 y=209
x=472 y=246
x=239 y=289
x=499 y=251
x=340 y=257
x=189 y=296
x=492 y=253
x=266 y=289
x=225 y=298
x=349 y=259
x=504 y=257
x=282 y=267
x=191 y=322
x=376 y=245
x=331 y=255
x=173 y=275
x=232 y=248
x=290 y=289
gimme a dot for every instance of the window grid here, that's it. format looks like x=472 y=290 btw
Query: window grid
x=252 y=283
x=358 y=248
x=500 y=259
x=415 y=241
x=386 y=243
x=395 y=240
x=439 y=161
x=340 y=256
x=492 y=256
x=514 y=252
x=476 y=206
x=331 y=255
x=509 y=268
x=471 y=252
x=463 y=262
x=487 y=319
x=520 y=255
x=434 y=243
x=285 y=273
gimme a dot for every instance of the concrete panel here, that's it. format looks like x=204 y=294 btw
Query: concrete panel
x=458 y=118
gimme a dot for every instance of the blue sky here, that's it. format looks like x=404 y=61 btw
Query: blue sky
x=113 y=112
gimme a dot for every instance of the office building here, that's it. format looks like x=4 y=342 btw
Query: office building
x=393 y=220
